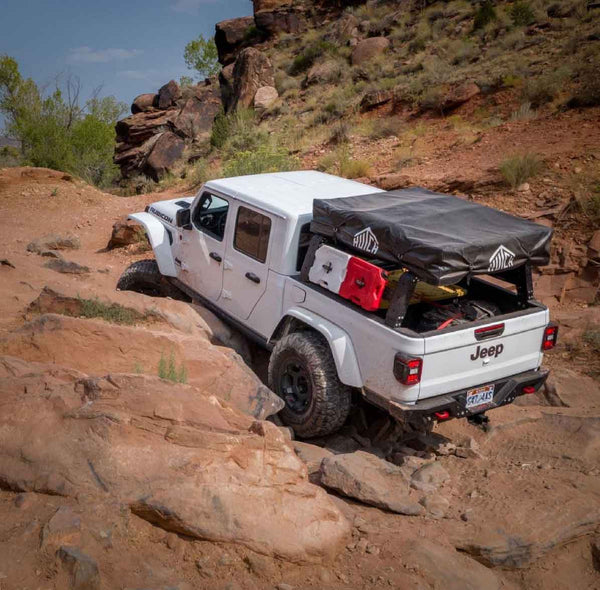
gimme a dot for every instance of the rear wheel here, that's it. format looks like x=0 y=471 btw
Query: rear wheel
x=144 y=277
x=302 y=372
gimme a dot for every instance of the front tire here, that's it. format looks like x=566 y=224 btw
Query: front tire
x=144 y=277
x=302 y=372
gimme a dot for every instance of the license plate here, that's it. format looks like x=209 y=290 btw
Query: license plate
x=480 y=396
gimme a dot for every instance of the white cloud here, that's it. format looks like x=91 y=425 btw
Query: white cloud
x=89 y=55
x=189 y=6
x=137 y=74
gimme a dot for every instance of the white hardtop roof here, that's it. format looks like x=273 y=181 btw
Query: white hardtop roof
x=289 y=194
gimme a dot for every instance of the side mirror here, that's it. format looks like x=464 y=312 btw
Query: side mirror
x=182 y=219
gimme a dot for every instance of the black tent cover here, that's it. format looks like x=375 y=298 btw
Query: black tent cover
x=440 y=238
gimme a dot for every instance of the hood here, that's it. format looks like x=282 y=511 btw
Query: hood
x=166 y=211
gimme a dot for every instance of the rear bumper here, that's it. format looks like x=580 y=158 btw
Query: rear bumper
x=505 y=392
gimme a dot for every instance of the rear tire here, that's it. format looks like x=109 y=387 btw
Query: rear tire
x=144 y=277
x=302 y=372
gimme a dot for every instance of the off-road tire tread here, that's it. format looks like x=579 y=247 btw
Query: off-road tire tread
x=331 y=398
x=143 y=272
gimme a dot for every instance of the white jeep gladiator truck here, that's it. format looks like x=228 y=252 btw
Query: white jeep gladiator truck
x=245 y=247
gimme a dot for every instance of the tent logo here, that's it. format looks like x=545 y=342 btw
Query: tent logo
x=501 y=258
x=366 y=240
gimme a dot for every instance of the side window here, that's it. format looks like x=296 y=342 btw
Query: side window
x=252 y=232
x=210 y=216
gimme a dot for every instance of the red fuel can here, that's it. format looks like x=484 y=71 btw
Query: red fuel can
x=364 y=284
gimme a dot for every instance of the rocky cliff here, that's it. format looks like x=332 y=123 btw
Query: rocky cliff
x=154 y=137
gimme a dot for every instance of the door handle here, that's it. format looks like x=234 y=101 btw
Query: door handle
x=216 y=256
x=251 y=276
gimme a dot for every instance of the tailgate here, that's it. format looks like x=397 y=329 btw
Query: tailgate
x=457 y=359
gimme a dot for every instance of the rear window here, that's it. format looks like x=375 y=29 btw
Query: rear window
x=252 y=231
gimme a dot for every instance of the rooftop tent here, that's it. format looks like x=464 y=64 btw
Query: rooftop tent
x=440 y=238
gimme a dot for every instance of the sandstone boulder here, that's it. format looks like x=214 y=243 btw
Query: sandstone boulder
x=125 y=441
x=429 y=477
x=252 y=71
x=369 y=479
x=168 y=95
x=443 y=567
x=367 y=49
x=273 y=22
x=313 y=456
x=136 y=129
x=166 y=152
x=195 y=339
x=322 y=73
x=124 y=233
x=83 y=570
x=345 y=27
x=86 y=344
x=230 y=36
x=196 y=117
x=265 y=97
x=226 y=86
x=67 y=266
x=144 y=102
x=54 y=242
x=529 y=534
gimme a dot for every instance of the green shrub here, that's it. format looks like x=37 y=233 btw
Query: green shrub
x=110 y=312
x=341 y=163
x=523 y=113
x=589 y=203
x=57 y=132
x=592 y=338
x=520 y=168
x=201 y=55
x=587 y=93
x=386 y=127
x=201 y=171
x=545 y=88
x=513 y=40
x=169 y=370
x=9 y=156
x=236 y=131
x=340 y=133
x=485 y=14
x=264 y=159
x=307 y=58
x=522 y=14
x=458 y=52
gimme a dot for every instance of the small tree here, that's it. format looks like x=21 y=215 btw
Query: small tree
x=201 y=55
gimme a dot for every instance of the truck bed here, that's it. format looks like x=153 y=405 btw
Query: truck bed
x=451 y=357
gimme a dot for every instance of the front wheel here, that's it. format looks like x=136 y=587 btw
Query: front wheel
x=144 y=277
x=302 y=372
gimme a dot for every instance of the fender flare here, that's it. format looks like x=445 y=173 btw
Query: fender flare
x=339 y=343
x=159 y=240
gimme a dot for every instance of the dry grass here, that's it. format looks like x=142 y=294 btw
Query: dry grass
x=519 y=168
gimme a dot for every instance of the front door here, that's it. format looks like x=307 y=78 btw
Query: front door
x=246 y=268
x=203 y=246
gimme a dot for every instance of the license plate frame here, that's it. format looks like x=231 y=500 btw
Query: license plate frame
x=479 y=396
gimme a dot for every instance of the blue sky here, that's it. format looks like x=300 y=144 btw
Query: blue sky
x=129 y=47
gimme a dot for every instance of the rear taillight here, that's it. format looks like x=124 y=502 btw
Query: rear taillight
x=550 y=336
x=408 y=370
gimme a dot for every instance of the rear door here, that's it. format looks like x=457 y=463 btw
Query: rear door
x=482 y=353
x=202 y=248
x=247 y=261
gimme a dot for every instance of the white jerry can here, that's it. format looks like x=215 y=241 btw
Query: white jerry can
x=329 y=268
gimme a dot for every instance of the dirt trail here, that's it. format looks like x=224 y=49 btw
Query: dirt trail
x=524 y=505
